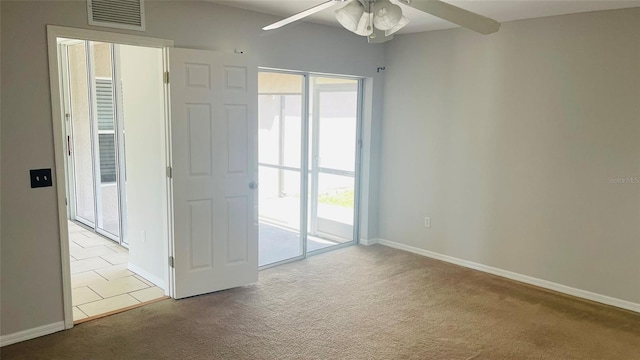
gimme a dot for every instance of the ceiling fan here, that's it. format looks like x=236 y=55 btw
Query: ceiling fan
x=378 y=20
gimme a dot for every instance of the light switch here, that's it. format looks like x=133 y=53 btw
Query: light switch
x=41 y=178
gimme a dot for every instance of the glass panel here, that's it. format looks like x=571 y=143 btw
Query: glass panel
x=332 y=161
x=106 y=144
x=337 y=129
x=107 y=188
x=279 y=215
x=280 y=118
x=291 y=129
x=279 y=139
x=81 y=135
x=269 y=129
x=333 y=222
x=336 y=198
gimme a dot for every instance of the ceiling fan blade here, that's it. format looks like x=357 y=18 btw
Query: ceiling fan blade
x=300 y=15
x=456 y=15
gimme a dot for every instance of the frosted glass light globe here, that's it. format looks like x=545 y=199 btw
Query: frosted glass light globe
x=350 y=14
x=386 y=15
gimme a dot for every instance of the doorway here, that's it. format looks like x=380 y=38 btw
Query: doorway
x=308 y=129
x=112 y=99
x=200 y=150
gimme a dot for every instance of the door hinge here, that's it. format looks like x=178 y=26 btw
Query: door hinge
x=171 y=261
x=169 y=172
x=166 y=77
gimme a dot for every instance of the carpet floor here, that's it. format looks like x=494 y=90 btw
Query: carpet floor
x=356 y=303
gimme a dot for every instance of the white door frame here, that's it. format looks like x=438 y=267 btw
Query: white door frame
x=53 y=33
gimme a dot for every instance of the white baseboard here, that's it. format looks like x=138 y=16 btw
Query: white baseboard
x=368 y=242
x=603 y=299
x=148 y=276
x=31 y=333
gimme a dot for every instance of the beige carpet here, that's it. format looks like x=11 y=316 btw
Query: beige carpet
x=356 y=303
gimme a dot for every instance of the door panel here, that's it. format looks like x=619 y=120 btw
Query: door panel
x=334 y=116
x=280 y=156
x=200 y=234
x=214 y=127
x=105 y=144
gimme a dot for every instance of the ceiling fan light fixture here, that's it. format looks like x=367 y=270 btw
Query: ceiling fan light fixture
x=350 y=15
x=403 y=21
x=386 y=14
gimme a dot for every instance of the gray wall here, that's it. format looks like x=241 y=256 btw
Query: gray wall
x=30 y=261
x=508 y=142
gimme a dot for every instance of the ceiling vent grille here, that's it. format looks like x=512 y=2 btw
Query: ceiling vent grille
x=122 y=14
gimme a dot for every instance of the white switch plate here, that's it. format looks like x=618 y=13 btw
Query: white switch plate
x=427 y=222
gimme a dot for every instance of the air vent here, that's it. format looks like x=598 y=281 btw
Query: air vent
x=122 y=14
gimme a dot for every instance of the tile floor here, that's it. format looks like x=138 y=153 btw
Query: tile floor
x=100 y=279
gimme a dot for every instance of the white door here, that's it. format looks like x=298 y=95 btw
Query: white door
x=214 y=100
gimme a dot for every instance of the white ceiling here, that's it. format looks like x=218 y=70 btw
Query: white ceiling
x=501 y=10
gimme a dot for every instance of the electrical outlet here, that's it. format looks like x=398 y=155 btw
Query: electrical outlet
x=427 y=222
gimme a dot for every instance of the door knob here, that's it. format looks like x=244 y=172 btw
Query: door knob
x=253 y=185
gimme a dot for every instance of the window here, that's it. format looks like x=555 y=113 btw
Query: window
x=106 y=130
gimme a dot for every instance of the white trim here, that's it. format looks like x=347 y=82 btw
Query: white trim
x=603 y=299
x=368 y=242
x=60 y=176
x=365 y=159
x=31 y=333
x=53 y=33
x=148 y=276
x=169 y=273
x=105 y=36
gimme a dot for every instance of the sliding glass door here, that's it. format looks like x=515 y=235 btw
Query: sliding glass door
x=96 y=170
x=306 y=122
